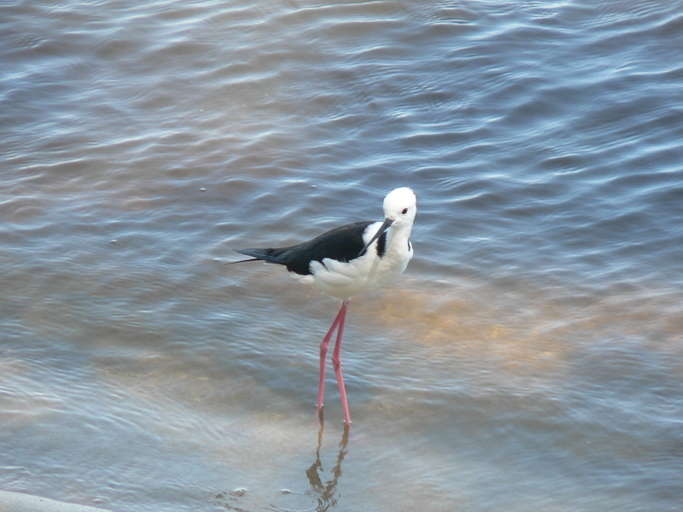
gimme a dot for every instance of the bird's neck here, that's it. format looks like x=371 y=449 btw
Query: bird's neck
x=398 y=238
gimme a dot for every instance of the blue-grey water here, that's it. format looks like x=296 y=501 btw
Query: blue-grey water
x=531 y=357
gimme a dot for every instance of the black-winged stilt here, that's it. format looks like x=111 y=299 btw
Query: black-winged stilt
x=347 y=261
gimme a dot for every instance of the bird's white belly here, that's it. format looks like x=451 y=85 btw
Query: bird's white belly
x=345 y=280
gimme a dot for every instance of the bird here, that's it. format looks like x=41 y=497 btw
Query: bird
x=345 y=262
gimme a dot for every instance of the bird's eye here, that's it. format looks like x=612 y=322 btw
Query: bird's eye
x=405 y=210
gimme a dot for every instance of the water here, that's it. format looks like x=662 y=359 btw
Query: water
x=530 y=357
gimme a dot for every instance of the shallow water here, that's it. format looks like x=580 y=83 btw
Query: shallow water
x=530 y=357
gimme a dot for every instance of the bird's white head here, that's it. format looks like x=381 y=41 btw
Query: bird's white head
x=400 y=206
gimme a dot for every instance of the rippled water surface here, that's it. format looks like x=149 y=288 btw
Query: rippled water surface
x=531 y=358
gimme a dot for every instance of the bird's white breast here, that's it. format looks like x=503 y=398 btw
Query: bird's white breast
x=345 y=280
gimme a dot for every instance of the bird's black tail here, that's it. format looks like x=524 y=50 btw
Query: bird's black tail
x=269 y=255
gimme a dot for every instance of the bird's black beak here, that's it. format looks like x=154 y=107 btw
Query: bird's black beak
x=380 y=231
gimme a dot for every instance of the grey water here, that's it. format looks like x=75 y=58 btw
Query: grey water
x=530 y=358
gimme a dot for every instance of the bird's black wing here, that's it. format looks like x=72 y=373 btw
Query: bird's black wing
x=342 y=244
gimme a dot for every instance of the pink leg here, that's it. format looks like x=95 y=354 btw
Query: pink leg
x=323 y=356
x=336 y=363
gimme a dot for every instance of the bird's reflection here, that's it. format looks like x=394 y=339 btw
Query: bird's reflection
x=325 y=490
x=322 y=494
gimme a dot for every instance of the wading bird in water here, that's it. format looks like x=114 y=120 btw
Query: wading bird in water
x=347 y=261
